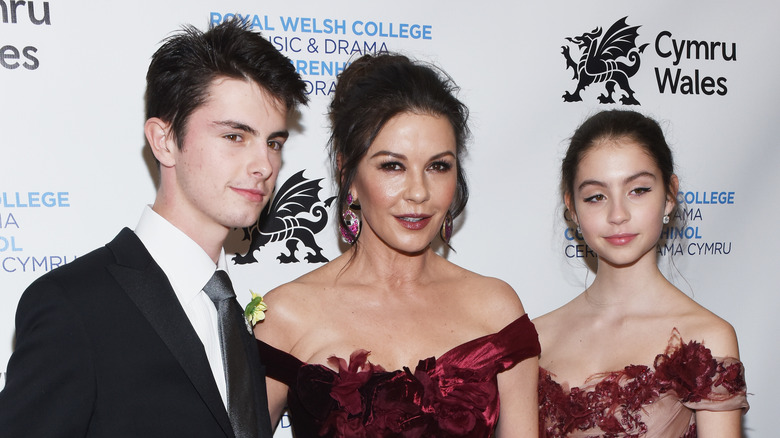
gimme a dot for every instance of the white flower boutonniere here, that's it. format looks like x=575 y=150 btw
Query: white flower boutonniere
x=255 y=310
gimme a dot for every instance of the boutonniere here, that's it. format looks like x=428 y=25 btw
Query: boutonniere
x=255 y=310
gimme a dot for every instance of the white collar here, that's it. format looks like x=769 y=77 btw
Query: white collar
x=183 y=261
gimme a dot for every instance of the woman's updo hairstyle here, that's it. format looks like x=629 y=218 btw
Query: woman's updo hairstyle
x=371 y=91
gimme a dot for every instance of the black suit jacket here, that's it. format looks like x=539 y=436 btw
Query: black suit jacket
x=104 y=349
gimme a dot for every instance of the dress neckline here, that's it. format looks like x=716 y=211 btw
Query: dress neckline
x=674 y=347
x=524 y=319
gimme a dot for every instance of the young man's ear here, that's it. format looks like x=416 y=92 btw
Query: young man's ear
x=161 y=140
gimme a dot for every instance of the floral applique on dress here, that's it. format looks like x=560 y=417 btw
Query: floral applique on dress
x=455 y=395
x=643 y=402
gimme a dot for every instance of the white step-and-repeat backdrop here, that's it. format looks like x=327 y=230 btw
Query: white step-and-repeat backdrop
x=74 y=168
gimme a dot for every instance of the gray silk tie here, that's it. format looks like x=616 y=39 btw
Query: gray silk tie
x=240 y=389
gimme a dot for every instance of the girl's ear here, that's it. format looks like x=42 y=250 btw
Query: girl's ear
x=671 y=197
x=570 y=206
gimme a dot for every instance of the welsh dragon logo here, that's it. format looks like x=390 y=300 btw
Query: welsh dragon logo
x=285 y=219
x=610 y=59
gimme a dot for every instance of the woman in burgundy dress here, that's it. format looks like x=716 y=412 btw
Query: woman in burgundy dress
x=390 y=338
x=632 y=356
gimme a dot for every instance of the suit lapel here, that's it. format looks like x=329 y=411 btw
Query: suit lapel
x=149 y=288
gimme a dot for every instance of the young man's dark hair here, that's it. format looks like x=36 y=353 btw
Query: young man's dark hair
x=184 y=67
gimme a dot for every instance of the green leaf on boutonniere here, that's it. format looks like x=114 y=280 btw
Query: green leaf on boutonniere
x=255 y=310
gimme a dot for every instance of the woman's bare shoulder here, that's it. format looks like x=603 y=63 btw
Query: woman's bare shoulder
x=291 y=309
x=491 y=299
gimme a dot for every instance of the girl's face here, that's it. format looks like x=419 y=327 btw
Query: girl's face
x=406 y=182
x=619 y=200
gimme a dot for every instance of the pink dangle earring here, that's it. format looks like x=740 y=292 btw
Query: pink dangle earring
x=350 y=233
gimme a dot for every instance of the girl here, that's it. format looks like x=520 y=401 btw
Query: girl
x=632 y=356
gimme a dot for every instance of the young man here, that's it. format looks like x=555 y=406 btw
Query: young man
x=143 y=336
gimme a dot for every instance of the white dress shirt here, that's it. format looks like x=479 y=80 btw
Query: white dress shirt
x=188 y=268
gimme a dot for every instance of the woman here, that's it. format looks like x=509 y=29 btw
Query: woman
x=632 y=355
x=391 y=339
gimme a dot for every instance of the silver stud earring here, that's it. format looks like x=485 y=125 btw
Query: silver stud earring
x=666 y=219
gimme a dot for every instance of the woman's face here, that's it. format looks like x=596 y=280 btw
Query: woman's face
x=406 y=182
x=619 y=200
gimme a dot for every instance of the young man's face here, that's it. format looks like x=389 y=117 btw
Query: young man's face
x=230 y=157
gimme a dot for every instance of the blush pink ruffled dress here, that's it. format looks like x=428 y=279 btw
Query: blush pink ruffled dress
x=644 y=402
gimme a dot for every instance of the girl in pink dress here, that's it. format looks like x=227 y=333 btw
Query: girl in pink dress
x=632 y=356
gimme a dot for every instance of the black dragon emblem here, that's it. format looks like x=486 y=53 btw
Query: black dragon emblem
x=281 y=220
x=610 y=59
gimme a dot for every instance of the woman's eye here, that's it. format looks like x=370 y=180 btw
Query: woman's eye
x=440 y=166
x=233 y=137
x=392 y=166
x=640 y=190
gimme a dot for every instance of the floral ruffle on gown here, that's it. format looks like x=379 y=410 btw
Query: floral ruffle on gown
x=644 y=402
x=455 y=395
